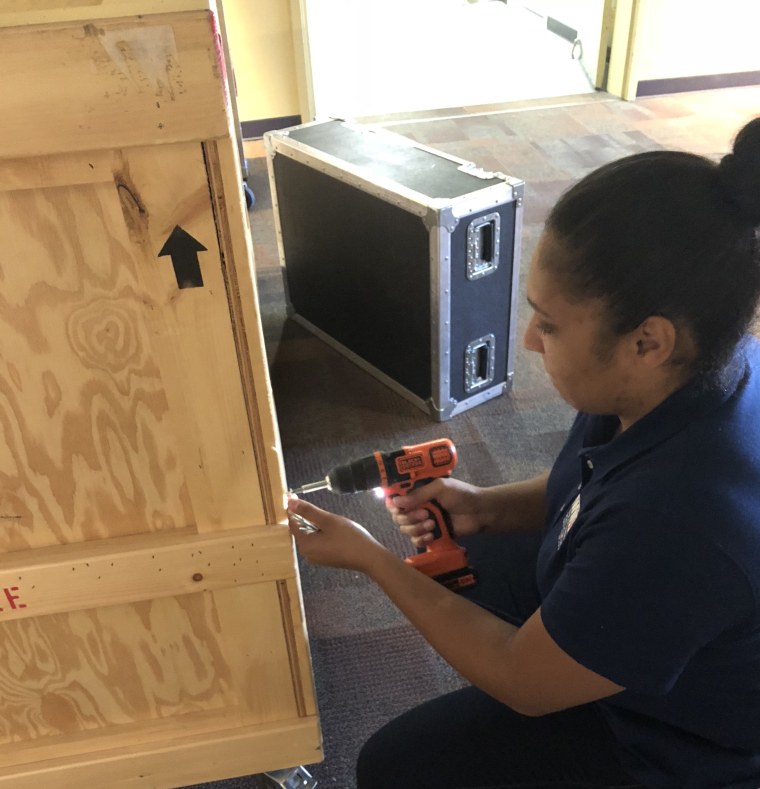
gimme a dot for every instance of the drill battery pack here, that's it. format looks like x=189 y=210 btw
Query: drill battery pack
x=403 y=258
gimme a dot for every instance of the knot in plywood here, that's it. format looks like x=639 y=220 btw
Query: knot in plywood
x=103 y=335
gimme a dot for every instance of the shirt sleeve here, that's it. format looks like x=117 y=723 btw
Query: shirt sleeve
x=640 y=596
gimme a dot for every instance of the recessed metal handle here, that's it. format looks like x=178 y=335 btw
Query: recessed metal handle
x=479 y=363
x=483 y=241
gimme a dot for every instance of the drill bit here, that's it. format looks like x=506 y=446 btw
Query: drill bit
x=323 y=484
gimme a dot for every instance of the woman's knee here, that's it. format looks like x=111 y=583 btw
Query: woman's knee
x=382 y=757
x=423 y=746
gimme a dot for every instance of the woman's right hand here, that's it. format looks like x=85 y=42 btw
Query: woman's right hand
x=459 y=499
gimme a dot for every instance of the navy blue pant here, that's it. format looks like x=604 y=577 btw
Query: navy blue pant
x=468 y=740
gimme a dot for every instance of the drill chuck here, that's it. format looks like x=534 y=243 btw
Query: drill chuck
x=355 y=477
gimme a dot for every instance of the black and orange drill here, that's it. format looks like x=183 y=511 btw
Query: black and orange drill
x=395 y=473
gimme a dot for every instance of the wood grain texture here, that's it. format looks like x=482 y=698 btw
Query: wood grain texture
x=151 y=631
x=44 y=172
x=291 y=603
x=223 y=168
x=121 y=394
x=136 y=81
x=160 y=762
x=136 y=418
x=87 y=451
x=65 y=578
x=23 y=13
x=67 y=674
x=255 y=640
x=193 y=336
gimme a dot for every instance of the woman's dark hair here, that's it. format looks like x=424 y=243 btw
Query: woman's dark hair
x=668 y=233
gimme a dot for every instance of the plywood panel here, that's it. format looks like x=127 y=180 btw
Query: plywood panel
x=194 y=334
x=254 y=633
x=86 y=449
x=91 y=670
x=107 y=361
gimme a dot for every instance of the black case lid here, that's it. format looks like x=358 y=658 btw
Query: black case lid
x=379 y=155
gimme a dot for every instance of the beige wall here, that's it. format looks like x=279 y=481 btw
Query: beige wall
x=681 y=38
x=260 y=36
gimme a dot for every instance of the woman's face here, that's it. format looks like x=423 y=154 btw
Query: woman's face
x=590 y=369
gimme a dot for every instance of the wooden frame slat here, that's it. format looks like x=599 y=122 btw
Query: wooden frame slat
x=130 y=569
x=133 y=81
x=162 y=763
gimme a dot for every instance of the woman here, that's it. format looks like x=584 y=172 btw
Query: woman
x=638 y=663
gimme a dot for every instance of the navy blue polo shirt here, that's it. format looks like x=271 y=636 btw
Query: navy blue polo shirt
x=649 y=575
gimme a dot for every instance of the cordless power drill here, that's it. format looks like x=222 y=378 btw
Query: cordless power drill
x=396 y=473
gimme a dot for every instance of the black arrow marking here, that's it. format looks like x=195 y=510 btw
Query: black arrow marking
x=183 y=250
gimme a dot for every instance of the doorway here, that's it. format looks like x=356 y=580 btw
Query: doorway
x=396 y=56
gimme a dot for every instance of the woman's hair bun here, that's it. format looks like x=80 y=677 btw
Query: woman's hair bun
x=740 y=172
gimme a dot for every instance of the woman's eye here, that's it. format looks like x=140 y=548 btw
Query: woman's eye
x=545 y=328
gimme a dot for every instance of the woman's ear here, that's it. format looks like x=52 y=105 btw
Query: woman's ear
x=656 y=340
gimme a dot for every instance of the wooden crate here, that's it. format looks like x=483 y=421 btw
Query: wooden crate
x=151 y=628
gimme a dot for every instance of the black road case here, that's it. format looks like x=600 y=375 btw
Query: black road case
x=404 y=258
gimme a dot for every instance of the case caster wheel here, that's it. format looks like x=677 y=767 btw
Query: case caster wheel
x=250 y=198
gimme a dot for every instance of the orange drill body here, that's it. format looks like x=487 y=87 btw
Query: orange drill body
x=412 y=466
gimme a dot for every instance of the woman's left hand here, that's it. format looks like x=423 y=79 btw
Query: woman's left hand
x=339 y=542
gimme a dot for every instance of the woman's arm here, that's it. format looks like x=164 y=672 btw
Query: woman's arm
x=515 y=506
x=522 y=668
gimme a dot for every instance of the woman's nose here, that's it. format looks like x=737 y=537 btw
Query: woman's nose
x=532 y=337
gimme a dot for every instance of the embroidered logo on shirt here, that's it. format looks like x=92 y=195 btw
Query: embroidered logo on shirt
x=571 y=516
